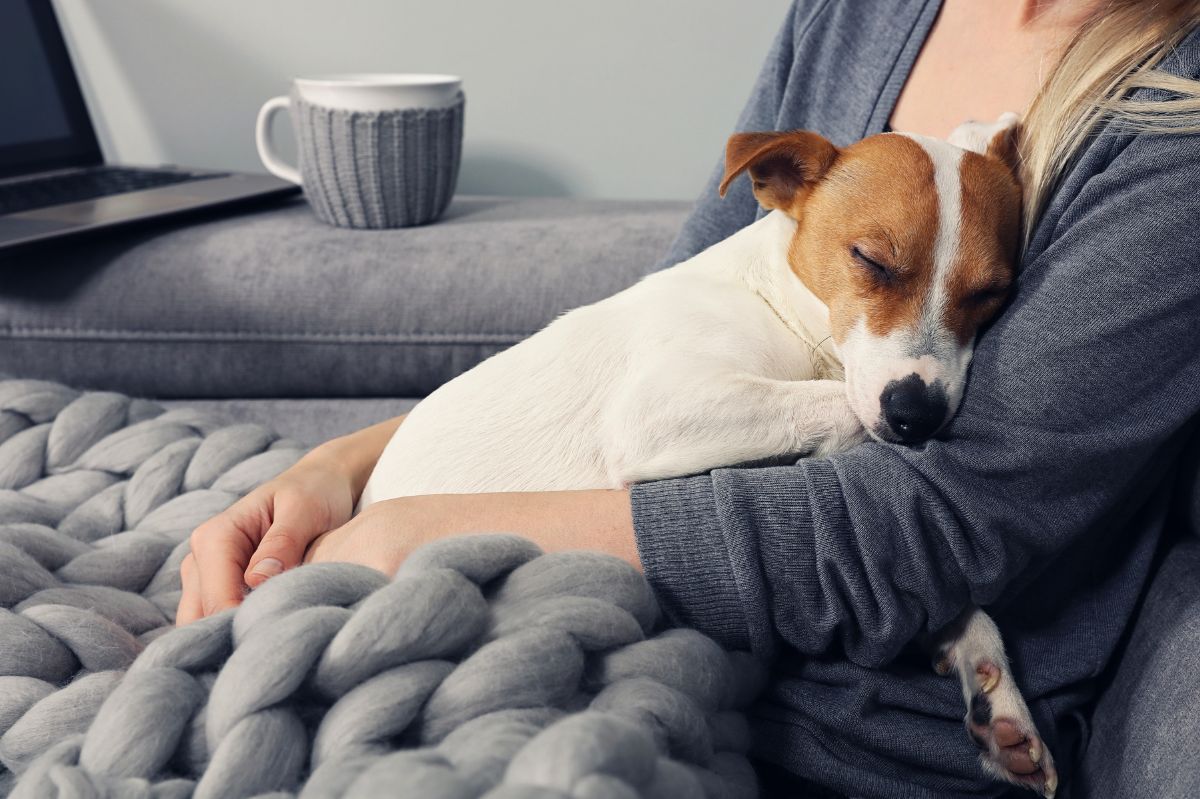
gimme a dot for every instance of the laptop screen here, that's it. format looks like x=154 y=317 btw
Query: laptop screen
x=44 y=124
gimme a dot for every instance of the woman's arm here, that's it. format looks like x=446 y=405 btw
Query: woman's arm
x=1076 y=395
x=384 y=534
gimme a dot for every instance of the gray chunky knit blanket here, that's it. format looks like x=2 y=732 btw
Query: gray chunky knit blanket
x=485 y=668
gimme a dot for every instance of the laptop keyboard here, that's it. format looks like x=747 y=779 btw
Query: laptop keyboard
x=26 y=195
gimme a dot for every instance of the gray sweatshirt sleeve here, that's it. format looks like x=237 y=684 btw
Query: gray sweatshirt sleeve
x=1075 y=394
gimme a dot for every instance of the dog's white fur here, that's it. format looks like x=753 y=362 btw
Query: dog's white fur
x=714 y=361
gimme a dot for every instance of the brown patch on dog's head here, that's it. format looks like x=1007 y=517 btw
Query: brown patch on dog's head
x=865 y=241
x=868 y=219
x=989 y=236
x=867 y=214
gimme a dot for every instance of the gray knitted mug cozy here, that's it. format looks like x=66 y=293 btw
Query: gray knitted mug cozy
x=380 y=169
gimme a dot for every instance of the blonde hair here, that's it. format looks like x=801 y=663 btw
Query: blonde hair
x=1116 y=50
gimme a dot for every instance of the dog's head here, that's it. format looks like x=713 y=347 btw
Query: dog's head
x=912 y=244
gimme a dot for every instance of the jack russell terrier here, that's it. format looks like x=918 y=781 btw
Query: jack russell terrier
x=848 y=311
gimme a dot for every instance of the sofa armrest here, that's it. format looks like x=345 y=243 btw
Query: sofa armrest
x=277 y=304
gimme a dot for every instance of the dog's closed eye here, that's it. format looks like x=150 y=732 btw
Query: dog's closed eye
x=879 y=270
x=985 y=296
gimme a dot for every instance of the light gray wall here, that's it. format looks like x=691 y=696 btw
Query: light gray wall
x=604 y=98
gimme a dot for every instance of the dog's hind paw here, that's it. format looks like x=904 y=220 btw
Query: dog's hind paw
x=999 y=723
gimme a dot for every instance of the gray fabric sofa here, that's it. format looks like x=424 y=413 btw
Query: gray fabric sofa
x=314 y=331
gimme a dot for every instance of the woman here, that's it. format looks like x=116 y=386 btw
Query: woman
x=1044 y=502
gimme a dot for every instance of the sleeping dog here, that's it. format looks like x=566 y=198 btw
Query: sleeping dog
x=849 y=311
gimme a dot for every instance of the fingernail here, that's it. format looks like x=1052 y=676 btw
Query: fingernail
x=268 y=567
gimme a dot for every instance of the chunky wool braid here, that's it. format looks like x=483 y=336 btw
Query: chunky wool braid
x=485 y=668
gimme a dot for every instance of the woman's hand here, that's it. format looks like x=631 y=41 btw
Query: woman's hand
x=385 y=533
x=262 y=534
x=269 y=529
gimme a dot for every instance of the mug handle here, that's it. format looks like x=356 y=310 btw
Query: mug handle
x=262 y=137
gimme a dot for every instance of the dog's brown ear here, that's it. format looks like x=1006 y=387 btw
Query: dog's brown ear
x=1005 y=146
x=781 y=164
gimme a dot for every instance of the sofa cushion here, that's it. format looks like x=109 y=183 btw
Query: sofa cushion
x=276 y=304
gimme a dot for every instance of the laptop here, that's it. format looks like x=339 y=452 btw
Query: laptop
x=53 y=179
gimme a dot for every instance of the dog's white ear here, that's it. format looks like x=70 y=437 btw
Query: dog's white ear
x=1000 y=139
x=782 y=165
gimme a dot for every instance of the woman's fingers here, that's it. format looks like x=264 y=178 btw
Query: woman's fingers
x=222 y=547
x=297 y=521
x=189 y=602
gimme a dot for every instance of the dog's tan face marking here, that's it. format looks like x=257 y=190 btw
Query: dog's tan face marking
x=910 y=242
x=982 y=274
x=877 y=205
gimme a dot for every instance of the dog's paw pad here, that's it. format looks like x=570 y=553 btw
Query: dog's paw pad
x=1009 y=744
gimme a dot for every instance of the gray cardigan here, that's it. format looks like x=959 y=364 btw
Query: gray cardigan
x=1044 y=501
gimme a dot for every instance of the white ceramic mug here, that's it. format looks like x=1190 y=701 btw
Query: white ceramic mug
x=369 y=92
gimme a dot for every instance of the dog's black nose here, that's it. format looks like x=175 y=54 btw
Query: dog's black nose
x=912 y=409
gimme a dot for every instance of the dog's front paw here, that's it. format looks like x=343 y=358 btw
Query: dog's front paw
x=844 y=431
